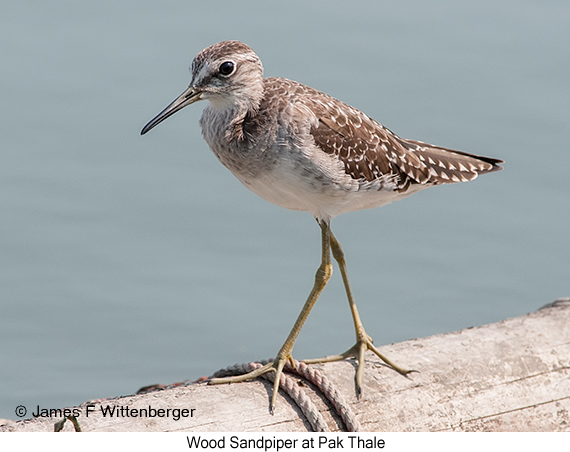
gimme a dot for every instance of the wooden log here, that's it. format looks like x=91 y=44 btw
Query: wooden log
x=513 y=375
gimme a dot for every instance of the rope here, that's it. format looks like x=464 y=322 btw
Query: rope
x=330 y=391
x=287 y=384
x=299 y=396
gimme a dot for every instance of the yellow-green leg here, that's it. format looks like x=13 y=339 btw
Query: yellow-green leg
x=321 y=278
x=363 y=341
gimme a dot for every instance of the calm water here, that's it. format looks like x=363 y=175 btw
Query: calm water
x=129 y=260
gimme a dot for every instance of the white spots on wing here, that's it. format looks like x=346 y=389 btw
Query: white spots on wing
x=368 y=152
x=432 y=173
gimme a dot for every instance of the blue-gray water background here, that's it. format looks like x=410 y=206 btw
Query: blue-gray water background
x=129 y=260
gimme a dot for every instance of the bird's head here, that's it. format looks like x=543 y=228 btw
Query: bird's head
x=229 y=74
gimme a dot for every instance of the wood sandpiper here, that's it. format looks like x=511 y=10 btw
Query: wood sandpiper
x=304 y=150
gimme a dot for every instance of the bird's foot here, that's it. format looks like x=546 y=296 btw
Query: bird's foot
x=274 y=366
x=357 y=351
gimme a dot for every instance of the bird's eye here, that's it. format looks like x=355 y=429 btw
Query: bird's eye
x=227 y=68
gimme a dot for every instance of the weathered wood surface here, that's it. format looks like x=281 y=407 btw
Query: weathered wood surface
x=513 y=375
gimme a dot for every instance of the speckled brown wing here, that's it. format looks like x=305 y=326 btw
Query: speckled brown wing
x=448 y=165
x=370 y=151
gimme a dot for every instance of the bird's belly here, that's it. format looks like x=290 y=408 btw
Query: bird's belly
x=325 y=197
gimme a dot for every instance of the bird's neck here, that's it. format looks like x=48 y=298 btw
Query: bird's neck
x=222 y=123
x=226 y=115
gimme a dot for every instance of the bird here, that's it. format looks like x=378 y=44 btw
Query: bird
x=304 y=150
